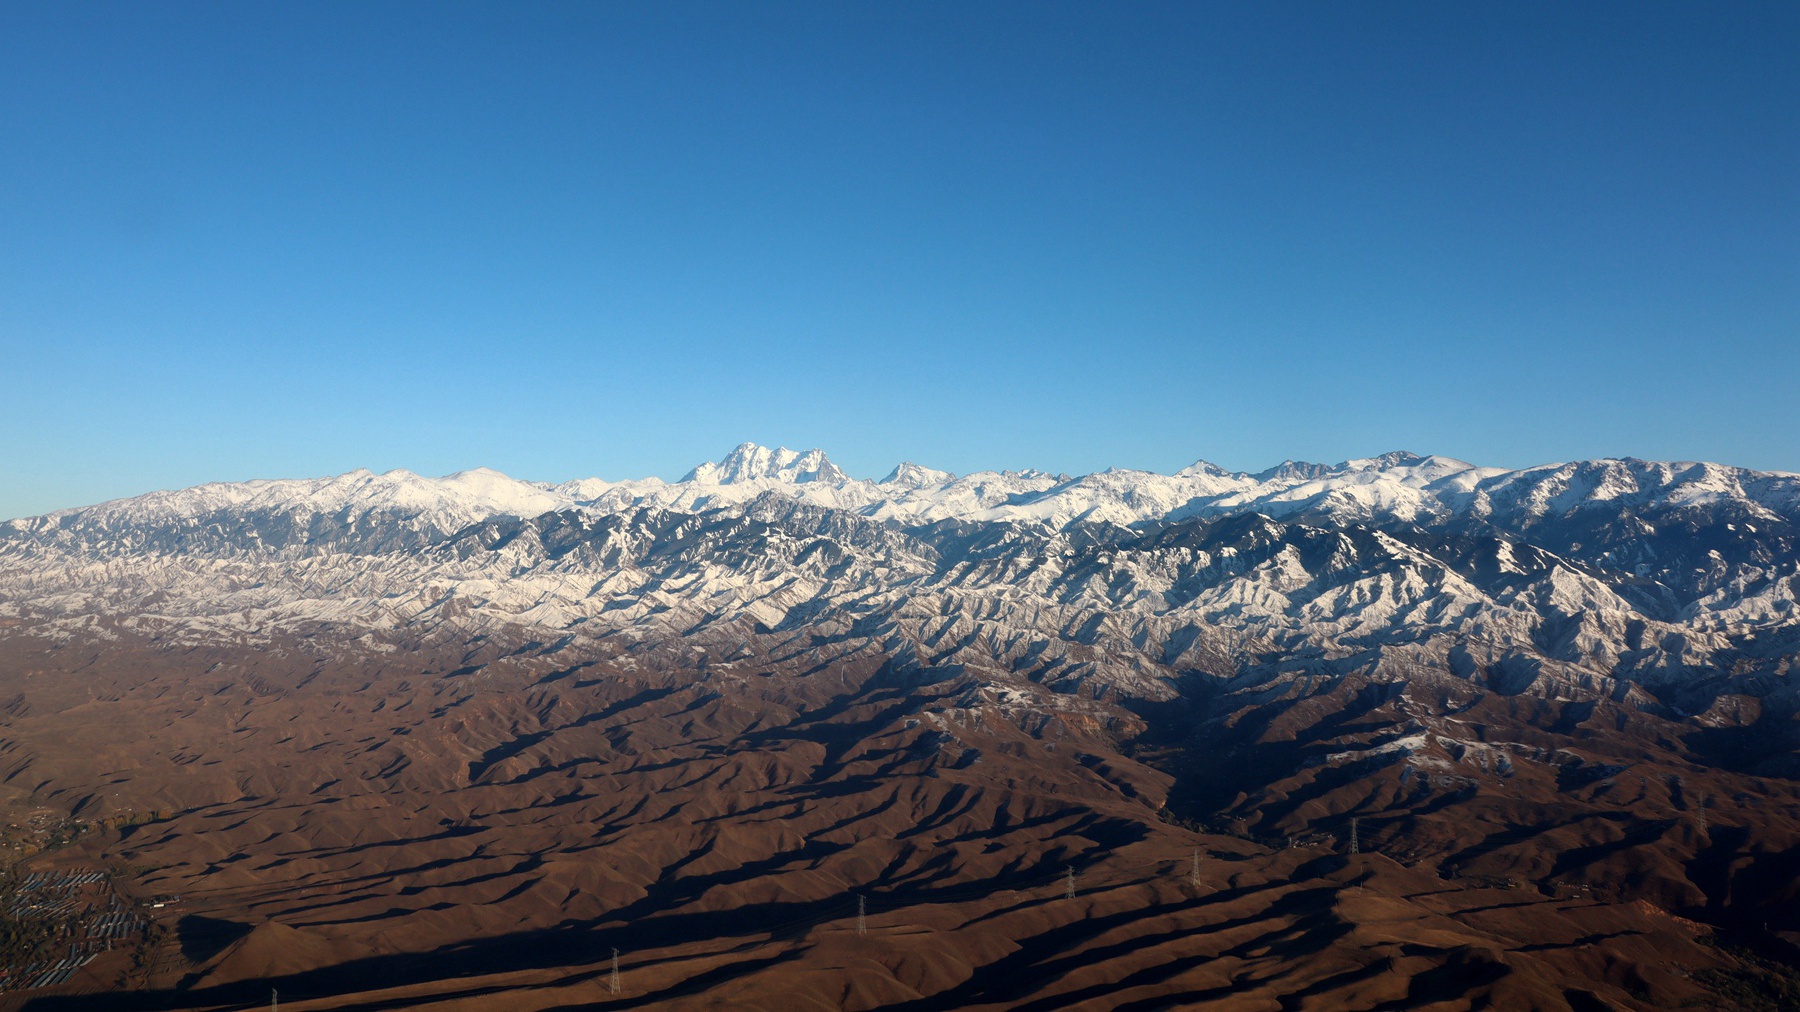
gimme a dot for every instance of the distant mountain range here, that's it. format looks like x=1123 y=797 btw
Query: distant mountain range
x=1605 y=575
x=482 y=718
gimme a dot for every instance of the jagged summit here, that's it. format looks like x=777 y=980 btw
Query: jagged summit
x=750 y=462
x=1580 y=572
x=1294 y=470
x=1399 y=458
x=1397 y=486
x=1606 y=653
x=910 y=475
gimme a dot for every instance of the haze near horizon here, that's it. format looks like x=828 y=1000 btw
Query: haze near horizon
x=577 y=241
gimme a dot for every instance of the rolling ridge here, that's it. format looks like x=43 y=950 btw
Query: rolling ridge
x=445 y=742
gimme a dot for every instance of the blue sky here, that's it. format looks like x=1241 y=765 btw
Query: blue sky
x=603 y=239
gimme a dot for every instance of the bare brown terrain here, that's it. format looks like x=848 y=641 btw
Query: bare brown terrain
x=454 y=829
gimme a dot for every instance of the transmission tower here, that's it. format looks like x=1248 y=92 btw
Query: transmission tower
x=274 y=1000
x=613 y=985
x=862 y=911
x=1194 y=872
x=1355 y=844
x=1069 y=890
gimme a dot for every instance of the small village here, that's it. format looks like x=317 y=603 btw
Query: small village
x=53 y=922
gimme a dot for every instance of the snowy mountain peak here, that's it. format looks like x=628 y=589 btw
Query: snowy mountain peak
x=478 y=474
x=1599 y=569
x=1395 y=458
x=911 y=475
x=1202 y=468
x=1401 y=487
x=750 y=462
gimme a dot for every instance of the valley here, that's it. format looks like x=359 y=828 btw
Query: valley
x=439 y=755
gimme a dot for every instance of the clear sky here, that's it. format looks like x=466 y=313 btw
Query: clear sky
x=258 y=239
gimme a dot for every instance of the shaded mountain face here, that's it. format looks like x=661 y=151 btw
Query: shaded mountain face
x=1614 y=576
x=1573 y=680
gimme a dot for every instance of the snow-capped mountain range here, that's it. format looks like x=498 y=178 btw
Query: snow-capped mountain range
x=1601 y=576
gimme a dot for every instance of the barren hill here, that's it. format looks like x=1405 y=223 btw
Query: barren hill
x=1098 y=742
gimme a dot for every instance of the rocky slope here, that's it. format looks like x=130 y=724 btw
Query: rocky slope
x=405 y=717
x=1607 y=575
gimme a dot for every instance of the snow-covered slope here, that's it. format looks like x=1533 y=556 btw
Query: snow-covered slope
x=1595 y=575
x=1394 y=487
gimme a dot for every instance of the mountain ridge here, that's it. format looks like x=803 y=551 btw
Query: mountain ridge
x=1570 y=691
x=1396 y=483
x=1601 y=570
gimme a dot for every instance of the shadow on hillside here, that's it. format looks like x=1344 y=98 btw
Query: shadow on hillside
x=585 y=944
x=202 y=938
